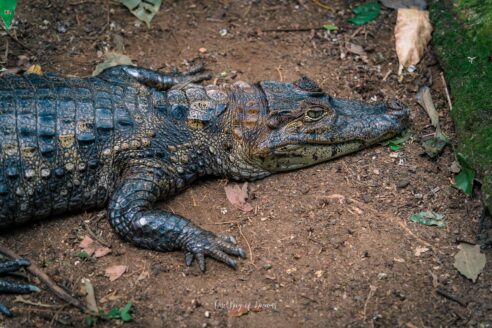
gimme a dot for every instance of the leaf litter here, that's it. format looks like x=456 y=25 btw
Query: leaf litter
x=469 y=261
x=238 y=195
x=430 y=218
x=412 y=34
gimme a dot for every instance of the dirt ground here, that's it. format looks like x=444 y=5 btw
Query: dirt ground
x=328 y=246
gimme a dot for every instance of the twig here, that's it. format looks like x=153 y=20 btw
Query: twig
x=249 y=247
x=443 y=292
x=304 y=29
x=58 y=291
x=280 y=74
x=226 y=222
x=14 y=37
x=447 y=92
x=93 y=235
x=322 y=5
x=387 y=75
x=372 y=289
x=20 y=299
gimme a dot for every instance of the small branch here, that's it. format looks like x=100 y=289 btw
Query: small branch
x=57 y=290
x=249 y=246
x=93 y=235
x=443 y=292
x=322 y=5
x=305 y=29
x=447 y=92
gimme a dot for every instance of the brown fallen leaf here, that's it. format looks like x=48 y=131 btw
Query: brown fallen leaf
x=237 y=196
x=238 y=311
x=112 y=59
x=412 y=34
x=110 y=297
x=102 y=251
x=92 y=248
x=115 y=272
x=87 y=244
x=357 y=50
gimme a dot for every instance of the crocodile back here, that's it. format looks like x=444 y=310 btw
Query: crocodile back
x=57 y=141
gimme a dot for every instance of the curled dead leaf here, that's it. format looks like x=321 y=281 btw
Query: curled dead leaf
x=238 y=195
x=412 y=34
x=238 y=311
x=114 y=272
x=92 y=248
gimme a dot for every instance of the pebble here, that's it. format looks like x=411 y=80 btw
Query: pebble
x=207 y=314
x=403 y=183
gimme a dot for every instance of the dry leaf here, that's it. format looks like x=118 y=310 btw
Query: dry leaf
x=112 y=59
x=110 y=297
x=102 y=251
x=90 y=298
x=238 y=311
x=420 y=249
x=87 y=244
x=91 y=247
x=412 y=33
x=469 y=261
x=35 y=69
x=238 y=195
x=358 y=50
x=115 y=272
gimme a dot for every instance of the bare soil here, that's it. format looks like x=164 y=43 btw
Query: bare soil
x=329 y=245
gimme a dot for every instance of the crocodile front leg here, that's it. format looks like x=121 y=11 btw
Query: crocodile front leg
x=132 y=216
x=14 y=287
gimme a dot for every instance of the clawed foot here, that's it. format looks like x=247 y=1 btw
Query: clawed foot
x=14 y=287
x=195 y=74
x=199 y=243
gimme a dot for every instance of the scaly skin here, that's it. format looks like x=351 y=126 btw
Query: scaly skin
x=131 y=136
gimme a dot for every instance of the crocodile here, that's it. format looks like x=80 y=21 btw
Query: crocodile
x=131 y=136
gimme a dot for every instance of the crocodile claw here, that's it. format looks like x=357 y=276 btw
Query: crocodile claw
x=200 y=243
x=14 y=287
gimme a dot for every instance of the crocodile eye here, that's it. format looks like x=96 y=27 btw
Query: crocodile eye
x=314 y=114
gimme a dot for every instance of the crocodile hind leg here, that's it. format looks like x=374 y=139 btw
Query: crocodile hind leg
x=14 y=287
x=155 y=79
x=131 y=214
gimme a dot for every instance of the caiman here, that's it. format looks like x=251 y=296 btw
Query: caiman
x=131 y=136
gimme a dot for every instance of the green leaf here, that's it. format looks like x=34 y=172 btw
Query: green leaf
x=429 y=219
x=330 y=27
x=89 y=321
x=143 y=10
x=7 y=10
x=365 y=13
x=82 y=254
x=394 y=147
x=464 y=180
x=125 y=312
x=114 y=313
x=396 y=143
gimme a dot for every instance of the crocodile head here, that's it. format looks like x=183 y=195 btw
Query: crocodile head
x=298 y=125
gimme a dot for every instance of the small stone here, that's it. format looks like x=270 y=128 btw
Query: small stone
x=202 y=50
x=403 y=183
x=382 y=275
x=207 y=314
x=45 y=173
